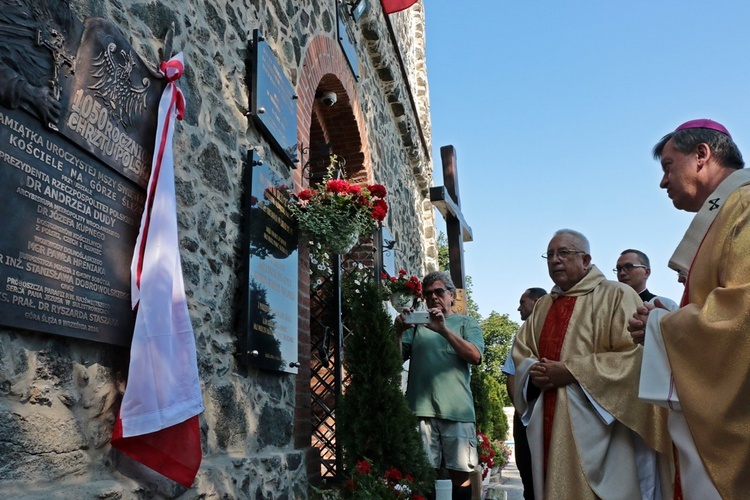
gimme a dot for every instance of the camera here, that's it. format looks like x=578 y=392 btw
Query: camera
x=416 y=318
x=329 y=98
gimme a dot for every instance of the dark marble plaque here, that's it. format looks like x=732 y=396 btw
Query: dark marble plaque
x=78 y=114
x=273 y=101
x=69 y=227
x=268 y=324
x=345 y=40
x=110 y=103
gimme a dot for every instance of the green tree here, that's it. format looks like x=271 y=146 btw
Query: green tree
x=374 y=420
x=498 y=331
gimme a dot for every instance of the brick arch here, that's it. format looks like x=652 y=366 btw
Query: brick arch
x=324 y=67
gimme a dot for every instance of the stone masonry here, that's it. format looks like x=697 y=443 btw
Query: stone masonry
x=59 y=396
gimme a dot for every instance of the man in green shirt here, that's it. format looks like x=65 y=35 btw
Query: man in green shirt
x=441 y=353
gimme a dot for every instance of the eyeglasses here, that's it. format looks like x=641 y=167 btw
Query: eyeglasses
x=437 y=292
x=563 y=253
x=628 y=267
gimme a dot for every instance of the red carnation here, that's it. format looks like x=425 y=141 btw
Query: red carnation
x=379 y=214
x=337 y=186
x=401 y=273
x=393 y=474
x=362 y=467
x=305 y=195
x=354 y=189
x=417 y=496
x=379 y=210
x=383 y=275
x=377 y=190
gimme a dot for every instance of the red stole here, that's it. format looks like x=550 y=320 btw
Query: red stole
x=550 y=344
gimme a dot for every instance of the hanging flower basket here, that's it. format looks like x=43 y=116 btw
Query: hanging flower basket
x=402 y=292
x=343 y=243
x=336 y=212
x=402 y=300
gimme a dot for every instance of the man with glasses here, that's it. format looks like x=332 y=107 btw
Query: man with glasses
x=576 y=386
x=695 y=359
x=633 y=268
x=441 y=353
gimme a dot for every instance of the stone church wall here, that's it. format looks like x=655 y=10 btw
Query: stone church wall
x=59 y=396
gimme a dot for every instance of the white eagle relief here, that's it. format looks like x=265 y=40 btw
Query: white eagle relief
x=114 y=86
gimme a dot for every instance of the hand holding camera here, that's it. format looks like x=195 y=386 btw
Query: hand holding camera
x=416 y=317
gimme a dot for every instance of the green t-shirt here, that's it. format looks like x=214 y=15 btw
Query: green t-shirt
x=438 y=377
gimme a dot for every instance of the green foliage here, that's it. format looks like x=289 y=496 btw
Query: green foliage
x=498 y=331
x=373 y=418
x=337 y=212
x=489 y=394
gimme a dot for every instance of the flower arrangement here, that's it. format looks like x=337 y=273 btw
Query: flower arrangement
x=487 y=453
x=410 y=289
x=337 y=212
x=366 y=483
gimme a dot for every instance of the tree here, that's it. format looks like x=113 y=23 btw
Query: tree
x=498 y=332
x=374 y=420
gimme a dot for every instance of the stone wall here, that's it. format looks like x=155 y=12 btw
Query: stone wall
x=59 y=397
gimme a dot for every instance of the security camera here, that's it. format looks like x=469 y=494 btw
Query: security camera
x=329 y=98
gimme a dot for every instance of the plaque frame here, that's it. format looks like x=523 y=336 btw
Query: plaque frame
x=273 y=101
x=267 y=324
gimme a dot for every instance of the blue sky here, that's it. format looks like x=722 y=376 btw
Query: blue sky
x=554 y=108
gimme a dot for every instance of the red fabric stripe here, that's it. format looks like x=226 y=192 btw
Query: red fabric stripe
x=174 y=452
x=550 y=345
x=152 y=191
x=391 y=6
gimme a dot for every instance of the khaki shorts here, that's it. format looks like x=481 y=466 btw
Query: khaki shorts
x=449 y=444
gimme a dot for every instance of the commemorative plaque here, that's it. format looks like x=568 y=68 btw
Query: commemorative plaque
x=268 y=323
x=273 y=101
x=77 y=123
x=345 y=38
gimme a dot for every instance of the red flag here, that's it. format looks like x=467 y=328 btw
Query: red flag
x=391 y=6
x=158 y=420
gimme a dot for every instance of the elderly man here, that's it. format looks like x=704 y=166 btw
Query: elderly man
x=633 y=268
x=521 y=443
x=441 y=353
x=576 y=385
x=696 y=358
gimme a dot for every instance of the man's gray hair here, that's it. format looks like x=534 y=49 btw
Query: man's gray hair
x=685 y=141
x=642 y=257
x=439 y=276
x=581 y=240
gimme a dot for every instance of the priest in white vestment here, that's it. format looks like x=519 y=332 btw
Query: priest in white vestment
x=577 y=387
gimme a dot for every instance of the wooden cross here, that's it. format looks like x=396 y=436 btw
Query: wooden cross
x=446 y=200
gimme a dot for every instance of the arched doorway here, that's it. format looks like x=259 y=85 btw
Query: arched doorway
x=326 y=127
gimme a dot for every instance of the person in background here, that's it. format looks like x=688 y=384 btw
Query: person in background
x=576 y=387
x=634 y=268
x=521 y=444
x=441 y=354
x=695 y=358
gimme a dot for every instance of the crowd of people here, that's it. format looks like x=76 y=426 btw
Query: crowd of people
x=619 y=393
